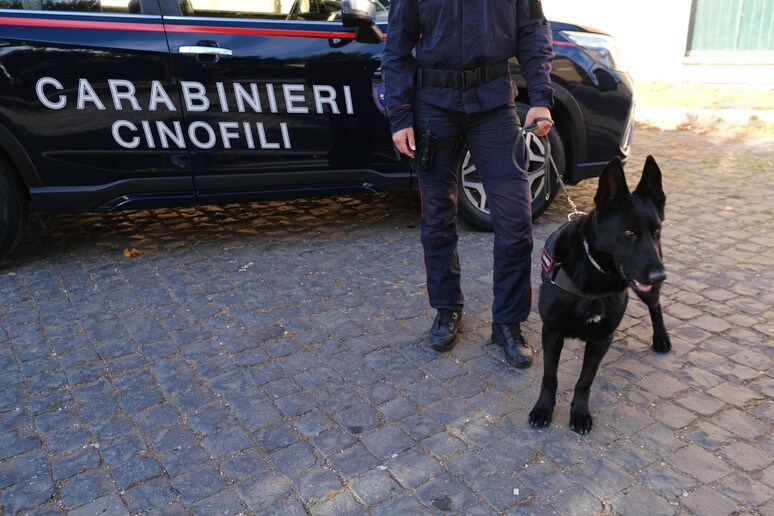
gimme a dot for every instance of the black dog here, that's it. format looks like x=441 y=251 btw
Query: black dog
x=587 y=266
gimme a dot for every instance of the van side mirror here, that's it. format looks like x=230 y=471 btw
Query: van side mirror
x=361 y=14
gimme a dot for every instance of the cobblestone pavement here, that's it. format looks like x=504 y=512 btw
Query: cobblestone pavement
x=268 y=358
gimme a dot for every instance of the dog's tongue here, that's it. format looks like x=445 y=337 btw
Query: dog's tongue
x=641 y=287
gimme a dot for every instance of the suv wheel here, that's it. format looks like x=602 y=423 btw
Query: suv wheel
x=13 y=208
x=472 y=198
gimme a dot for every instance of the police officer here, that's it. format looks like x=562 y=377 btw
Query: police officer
x=445 y=68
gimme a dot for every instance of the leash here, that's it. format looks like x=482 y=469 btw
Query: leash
x=549 y=162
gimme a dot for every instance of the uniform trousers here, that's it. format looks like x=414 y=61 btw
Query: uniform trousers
x=490 y=137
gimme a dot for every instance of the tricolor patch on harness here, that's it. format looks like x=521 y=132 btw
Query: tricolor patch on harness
x=546 y=261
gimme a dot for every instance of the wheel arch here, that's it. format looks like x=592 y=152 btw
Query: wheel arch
x=13 y=150
x=571 y=125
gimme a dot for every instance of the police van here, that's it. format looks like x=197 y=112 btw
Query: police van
x=136 y=104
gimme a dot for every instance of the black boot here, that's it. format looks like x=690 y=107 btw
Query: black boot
x=515 y=348
x=445 y=330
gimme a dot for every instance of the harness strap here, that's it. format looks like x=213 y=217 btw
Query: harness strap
x=461 y=79
x=553 y=272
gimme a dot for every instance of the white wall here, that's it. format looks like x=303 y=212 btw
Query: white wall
x=653 y=36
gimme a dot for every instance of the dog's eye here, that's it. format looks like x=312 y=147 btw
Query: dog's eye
x=629 y=233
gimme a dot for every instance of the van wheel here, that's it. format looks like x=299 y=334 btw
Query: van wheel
x=473 y=203
x=14 y=207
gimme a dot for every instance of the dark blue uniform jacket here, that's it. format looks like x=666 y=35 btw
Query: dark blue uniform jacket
x=463 y=35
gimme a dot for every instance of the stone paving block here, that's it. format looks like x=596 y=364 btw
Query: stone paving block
x=184 y=458
x=672 y=415
x=602 y=477
x=508 y=453
x=136 y=470
x=699 y=463
x=198 y=484
x=708 y=501
x=443 y=445
x=109 y=429
x=86 y=487
x=662 y=385
x=210 y=419
x=227 y=441
x=156 y=417
x=333 y=441
x=737 y=395
x=224 y=503
x=293 y=459
x=67 y=439
x=374 y=486
x=708 y=436
x=18 y=441
x=638 y=501
x=703 y=404
x=342 y=503
x=111 y=504
x=275 y=437
x=541 y=480
x=741 y=424
x=445 y=494
x=153 y=495
x=72 y=464
x=665 y=481
x=263 y=491
x=28 y=495
x=576 y=500
x=470 y=466
x=317 y=484
x=745 y=490
x=358 y=419
x=354 y=461
x=414 y=467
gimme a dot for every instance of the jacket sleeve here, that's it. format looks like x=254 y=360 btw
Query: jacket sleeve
x=398 y=63
x=535 y=52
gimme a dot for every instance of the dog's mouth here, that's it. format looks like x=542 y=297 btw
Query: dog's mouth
x=634 y=284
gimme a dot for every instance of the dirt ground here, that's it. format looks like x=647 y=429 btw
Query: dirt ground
x=703 y=96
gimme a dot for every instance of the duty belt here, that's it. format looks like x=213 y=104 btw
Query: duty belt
x=461 y=79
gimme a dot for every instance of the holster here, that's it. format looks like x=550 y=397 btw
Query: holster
x=429 y=144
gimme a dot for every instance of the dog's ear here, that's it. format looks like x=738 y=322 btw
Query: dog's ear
x=650 y=186
x=612 y=189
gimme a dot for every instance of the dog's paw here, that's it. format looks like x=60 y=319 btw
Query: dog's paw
x=581 y=422
x=540 y=416
x=661 y=343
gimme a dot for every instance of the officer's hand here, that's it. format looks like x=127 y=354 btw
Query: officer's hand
x=536 y=112
x=404 y=141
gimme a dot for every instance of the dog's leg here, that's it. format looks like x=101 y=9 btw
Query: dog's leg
x=580 y=417
x=661 y=342
x=544 y=408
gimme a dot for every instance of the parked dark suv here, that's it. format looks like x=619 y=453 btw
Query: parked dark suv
x=134 y=104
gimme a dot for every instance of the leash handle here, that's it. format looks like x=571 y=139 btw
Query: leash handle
x=548 y=163
x=531 y=127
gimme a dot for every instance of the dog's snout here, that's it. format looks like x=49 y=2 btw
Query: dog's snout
x=656 y=277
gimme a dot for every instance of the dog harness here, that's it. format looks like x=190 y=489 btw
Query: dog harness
x=553 y=272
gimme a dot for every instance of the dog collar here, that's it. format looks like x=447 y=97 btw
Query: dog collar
x=591 y=258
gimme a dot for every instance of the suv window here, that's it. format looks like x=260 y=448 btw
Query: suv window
x=84 y=6
x=266 y=9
